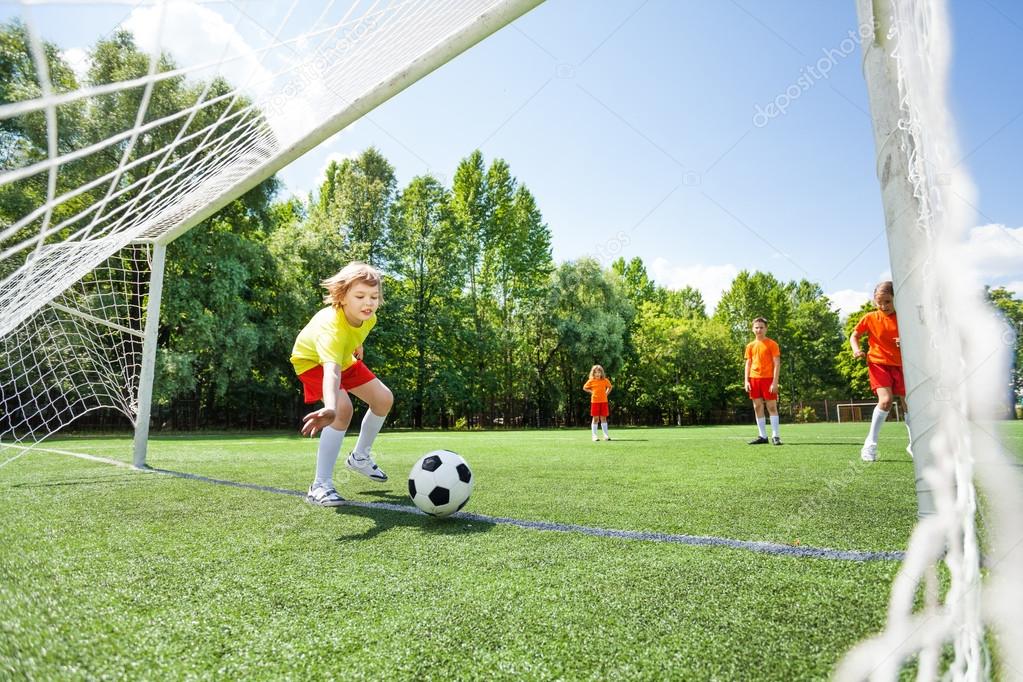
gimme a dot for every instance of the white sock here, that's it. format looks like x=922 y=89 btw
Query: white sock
x=371 y=424
x=876 y=421
x=593 y=428
x=774 y=425
x=603 y=425
x=762 y=426
x=326 y=455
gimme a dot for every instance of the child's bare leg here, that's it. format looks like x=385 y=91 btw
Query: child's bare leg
x=380 y=399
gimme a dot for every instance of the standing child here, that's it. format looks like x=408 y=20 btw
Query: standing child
x=599 y=389
x=328 y=360
x=760 y=377
x=884 y=363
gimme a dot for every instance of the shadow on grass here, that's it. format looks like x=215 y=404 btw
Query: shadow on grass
x=391 y=516
x=118 y=479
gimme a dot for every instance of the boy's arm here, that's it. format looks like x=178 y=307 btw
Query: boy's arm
x=315 y=421
x=777 y=371
x=745 y=374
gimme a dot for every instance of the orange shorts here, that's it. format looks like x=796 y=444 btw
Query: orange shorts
x=354 y=376
x=599 y=409
x=760 y=387
x=887 y=376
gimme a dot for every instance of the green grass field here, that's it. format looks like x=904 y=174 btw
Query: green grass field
x=111 y=573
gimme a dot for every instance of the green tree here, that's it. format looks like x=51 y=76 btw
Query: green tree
x=854 y=371
x=588 y=315
x=1011 y=310
x=813 y=342
x=356 y=197
x=422 y=239
x=752 y=295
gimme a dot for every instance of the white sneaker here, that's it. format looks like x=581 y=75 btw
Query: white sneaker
x=868 y=453
x=324 y=496
x=366 y=466
x=595 y=439
x=607 y=437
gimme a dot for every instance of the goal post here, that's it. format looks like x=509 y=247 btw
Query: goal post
x=953 y=360
x=852 y=408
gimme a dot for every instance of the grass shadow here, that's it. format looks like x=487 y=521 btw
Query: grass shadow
x=386 y=518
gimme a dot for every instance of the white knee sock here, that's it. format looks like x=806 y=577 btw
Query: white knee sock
x=593 y=427
x=762 y=426
x=371 y=424
x=326 y=455
x=774 y=425
x=603 y=425
x=876 y=421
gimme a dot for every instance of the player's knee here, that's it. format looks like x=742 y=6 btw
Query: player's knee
x=885 y=403
x=383 y=401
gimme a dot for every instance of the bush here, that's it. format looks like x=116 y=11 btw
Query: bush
x=806 y=415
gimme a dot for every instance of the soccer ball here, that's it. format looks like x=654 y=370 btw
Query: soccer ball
x=440 y=483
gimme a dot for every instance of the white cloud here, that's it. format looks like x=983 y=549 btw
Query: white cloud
x=848 y=301
x=195 y=35
x=711 y=280
x=996 y=252
x=79 y=61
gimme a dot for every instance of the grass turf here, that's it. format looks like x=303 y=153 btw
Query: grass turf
x=109 y=572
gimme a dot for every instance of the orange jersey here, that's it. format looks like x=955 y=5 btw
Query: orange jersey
x=762 y=355
x=881 y=330
x=600 y=387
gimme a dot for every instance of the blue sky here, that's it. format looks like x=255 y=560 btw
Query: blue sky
x=633 y=123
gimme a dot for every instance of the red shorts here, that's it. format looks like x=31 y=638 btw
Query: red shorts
x=887 y=376
x=354 y=376
x=599 y=409
x=760 y=387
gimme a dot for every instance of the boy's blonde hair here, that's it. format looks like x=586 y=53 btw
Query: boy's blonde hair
x=885 y=287
x=595 y=369
x=355 y=272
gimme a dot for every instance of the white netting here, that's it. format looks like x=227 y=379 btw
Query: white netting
x=169 y=163
x=79 y=353
x=941 y=602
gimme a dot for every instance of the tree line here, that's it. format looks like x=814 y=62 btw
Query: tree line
x=480 y=326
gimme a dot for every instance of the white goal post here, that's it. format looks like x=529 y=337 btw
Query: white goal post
x=866 y=408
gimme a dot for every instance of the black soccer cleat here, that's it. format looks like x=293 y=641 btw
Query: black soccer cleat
x=759 y=440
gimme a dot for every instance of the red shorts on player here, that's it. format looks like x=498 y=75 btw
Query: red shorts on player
x=354 y=376
x=760 y=387
x=599 y=409
x=887 y=376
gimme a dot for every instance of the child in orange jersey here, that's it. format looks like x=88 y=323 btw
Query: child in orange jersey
x=884 y=362
x=760 y=377
x=328 y=360
x=599 y=389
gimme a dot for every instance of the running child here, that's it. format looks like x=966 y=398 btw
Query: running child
x=599 y=389
x=760 y=378
x=328 y=360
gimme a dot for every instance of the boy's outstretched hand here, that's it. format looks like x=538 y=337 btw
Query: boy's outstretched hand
x=315 y=421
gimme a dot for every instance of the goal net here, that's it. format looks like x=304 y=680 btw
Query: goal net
x=943 y=610
x=85 y=207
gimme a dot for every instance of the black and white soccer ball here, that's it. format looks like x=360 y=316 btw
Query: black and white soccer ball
x=440 y=483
